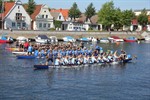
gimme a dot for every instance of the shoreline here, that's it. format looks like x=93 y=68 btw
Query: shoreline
x=76 y=35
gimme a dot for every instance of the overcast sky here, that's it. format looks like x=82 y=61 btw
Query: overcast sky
x=82 y=4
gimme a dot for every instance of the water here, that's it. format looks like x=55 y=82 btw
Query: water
x=18 y=80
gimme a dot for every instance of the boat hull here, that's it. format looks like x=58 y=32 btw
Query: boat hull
x=128 y=40
x=75 y=66
x=25 y=57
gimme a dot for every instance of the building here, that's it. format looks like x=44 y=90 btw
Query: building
x=138 y=12
x=57 y=16
x=91 y=23
x=72 y=26
x=15 y=16
x=41 y=18
x=64 y=12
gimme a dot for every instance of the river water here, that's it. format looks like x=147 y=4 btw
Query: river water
x=18 y=80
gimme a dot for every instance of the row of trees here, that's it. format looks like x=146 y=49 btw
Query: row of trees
x=109 y=15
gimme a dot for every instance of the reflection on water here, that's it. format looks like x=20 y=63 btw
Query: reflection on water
x=18 y=80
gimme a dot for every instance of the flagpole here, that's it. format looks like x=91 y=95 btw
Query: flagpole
x=2 y=15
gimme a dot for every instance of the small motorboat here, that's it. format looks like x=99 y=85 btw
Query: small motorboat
x=6 y=39
x=84 y=39
x=115 y=39
x=104 y=40
x=68 y=39
x=53 y=39
x=22 y=39
x=42 y=39
x=130 y=39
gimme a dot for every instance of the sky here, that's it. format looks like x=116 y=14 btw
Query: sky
x=82 y=4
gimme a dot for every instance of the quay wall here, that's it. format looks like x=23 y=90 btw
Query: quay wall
x=60 y=34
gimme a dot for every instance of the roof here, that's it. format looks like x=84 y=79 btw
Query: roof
x=63 y=11
x=94 y=19
x=55 y=14
x=36 y=11
x=43 y=36
x=7 y=7
x=141 y=10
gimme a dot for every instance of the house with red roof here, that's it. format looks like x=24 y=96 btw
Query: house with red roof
x=64 y=12
x=15 y=16
x=41 y=18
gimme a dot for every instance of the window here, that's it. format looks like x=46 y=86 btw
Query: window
x=46 y=16
x=49 y=25
x=18 y=16
x=42 y=16
x=23 y=24
x=44 y=25
x=44 y=11
x=59 y=17
x=18 y=7
x=13 y=24
x=40 y=25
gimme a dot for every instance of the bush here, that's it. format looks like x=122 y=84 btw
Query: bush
x=52 y=29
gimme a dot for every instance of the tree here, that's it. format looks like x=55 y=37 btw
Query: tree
x=90 y=11
x=31 y=6
x=105 y=15
x=117 y=19
x=1 y=5
x=74 y=12
x=11 y=0
x=127 y=16
x=143 y=18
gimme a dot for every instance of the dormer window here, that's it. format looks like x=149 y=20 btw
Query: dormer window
x=59 y=17
x=45 y=11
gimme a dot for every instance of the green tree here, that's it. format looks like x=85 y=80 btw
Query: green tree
x=57 y=24
x=1 y=3
x=90 y=11
x=117 y=19
x=127 y=16
x=31 y=6
x=106 y=14
x=143 y=18
x=11 y=0
x=74 y=11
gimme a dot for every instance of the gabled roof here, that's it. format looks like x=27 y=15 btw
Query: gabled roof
x=93 y=20
x=36 y=11
x=7 y=7
x=55 y=14
x=63 y=11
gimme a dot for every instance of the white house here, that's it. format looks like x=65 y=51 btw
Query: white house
x=72 y=26
x=41 y=18
x=138 y=12
x=90 y=23
x=58 y=16
x=15 y=16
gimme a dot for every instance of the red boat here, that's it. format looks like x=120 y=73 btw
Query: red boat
x=5 y=41
x=130 y=39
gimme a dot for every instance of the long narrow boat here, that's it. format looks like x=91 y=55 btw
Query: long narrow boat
x=25 y=57
x=76 y=65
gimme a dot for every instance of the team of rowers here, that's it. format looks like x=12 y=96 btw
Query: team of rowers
x=70 y=54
